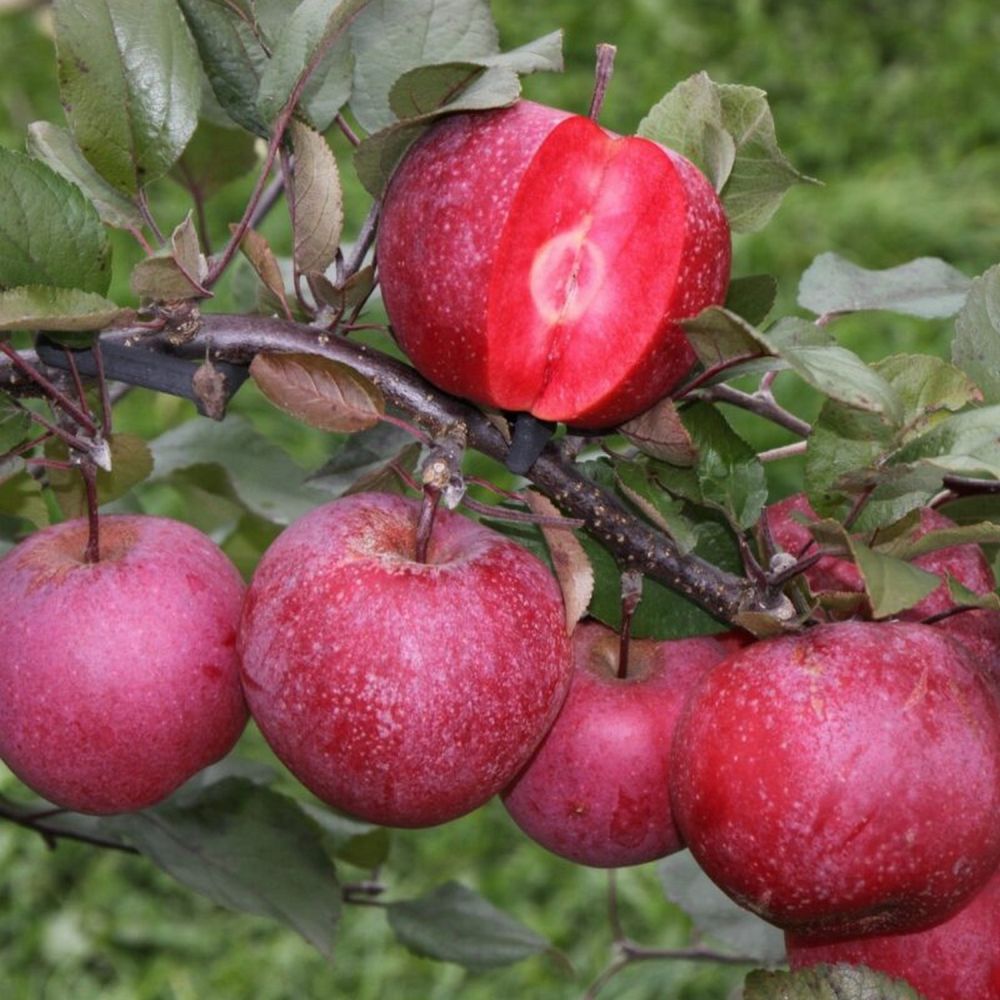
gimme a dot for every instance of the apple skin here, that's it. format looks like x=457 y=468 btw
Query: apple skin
x=958 y=959
x=404 y=693
x=966 y=562
x=530 y=260
x=118 y=679
x=845 y=780
x=597 y=790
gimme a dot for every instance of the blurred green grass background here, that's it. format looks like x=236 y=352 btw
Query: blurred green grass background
x=892 y=106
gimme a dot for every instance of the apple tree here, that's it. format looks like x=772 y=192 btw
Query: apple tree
x=540 y=557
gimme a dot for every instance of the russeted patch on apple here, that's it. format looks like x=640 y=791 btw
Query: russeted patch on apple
x=404 y=692
x=530 y=260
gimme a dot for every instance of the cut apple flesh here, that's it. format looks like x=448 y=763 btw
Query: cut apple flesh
x=577 y=301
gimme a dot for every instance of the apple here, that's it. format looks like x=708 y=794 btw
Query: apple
x=118 y=678
x=966 y=563
x=597 y=790
x=530 y=260
x=958 y=959
x=405 y=693
x=844 y=780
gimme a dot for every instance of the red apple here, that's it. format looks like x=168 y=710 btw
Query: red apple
x=966 y=563
x=531 y=260
x=955 y=960
x=597 y=790
x=845 y=780
x=406 y=693
x=119 y=678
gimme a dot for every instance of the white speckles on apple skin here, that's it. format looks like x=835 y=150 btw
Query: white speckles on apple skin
x=404 y=693
x=879 y=816
x=118 y=680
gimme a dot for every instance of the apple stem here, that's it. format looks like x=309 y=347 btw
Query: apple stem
x=602 y=78
x=92 y=554
x=425 y=523
x=631 y=595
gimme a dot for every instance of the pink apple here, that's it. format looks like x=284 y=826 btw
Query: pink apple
x=531 y=260
x=955 y=960
x=406 y=693
x=119 y=678
x=597 y=791
x=845 y=780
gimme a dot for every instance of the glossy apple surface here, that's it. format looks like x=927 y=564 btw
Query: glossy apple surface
x=406 y=693
x=118 y=679
x=597 y=790
x=958 y=959
x=844 y=780
x=531 y=260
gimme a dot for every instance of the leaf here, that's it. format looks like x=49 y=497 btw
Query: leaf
x=924 y=287
x=258 y=251
x=363 y=845
x=925 y=386
x=715 y=915
x=233 y=59
x=972 y=434
x=50 y=234
x=325 y=394
x=14 y=426
x=892 y=585
x=569 y=560
x=975 y=348
x=641 y=490
x=751 y=297
x=317 y=199
x=247 y=848
x=131 y=464
x=310 y=32
x=214 y=157
x=361 y=463
x=827 y=982
x=187 y=250
x=57 y=148
x=390 y=38
x=660 y=432
x=908 y=547
x=67 y=310
x=728 y=132
x=718 y=335
x=257 y=473
x=131 y=83
x=455 y=924
x=161 y=279
x=424 y=89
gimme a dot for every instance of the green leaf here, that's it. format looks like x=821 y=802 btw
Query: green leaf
x=971 y=436
x=50 y=234
x=57 y=149
x=639 y=487
x=661 y=433
x=257 y=473
x=68 y=310
x=21 y=498
x=925 y=386
x=303 y=50
x=975 y=348
x=730 y=476
x=714 y=914
x=827 y=982
x=426 y=88
x=322 y=393
x=892 y=585
x=160 y=279
x=233 y=58
x=214 y=157
x=907 y=547
x=130 y=80
x=455 y=924
x=317 y=199
x=363 y=845
x=14 y=425
x=131 y=464
x=247 y=848
x=361 y=461
x=752 y=297
x=925 y=287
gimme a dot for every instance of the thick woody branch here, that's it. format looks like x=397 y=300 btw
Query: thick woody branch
x=635 y=544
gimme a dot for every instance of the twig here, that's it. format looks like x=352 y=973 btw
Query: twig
x=763 y=405
x=602 y=78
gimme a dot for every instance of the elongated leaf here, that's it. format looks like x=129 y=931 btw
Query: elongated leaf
x=975 y=348
x=161 y=279
x=827 y=982
x=258 y=251
x=923 y=287
x=907 y=547
x=131 y=464
x=130 y=80
x=214 y=157
x=247 y=848
x=233 y=58
x=660 y=432
x=455 y=924
x=56 y=148
x=362 y=459
x=39 y=307
x=311 y=31
x=892 y=585
x=318 y=201
x=322 y=393
x=752 y=296
x=962 y=434
x=50 y=234
x=361 y=844
x=14 y=427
